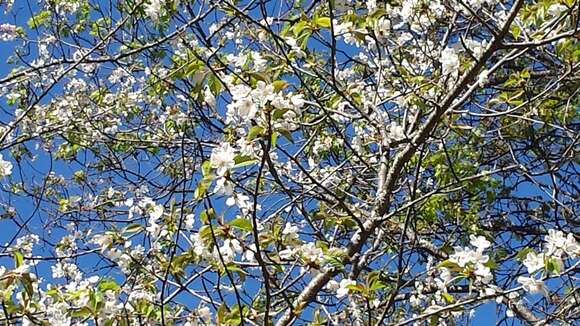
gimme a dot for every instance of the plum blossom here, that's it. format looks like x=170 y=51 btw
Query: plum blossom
x=479 y=242
x=484 y=273
x=382 y=27
x=311 y=253
x=290 y=231
x=449 y=61
x=467 y=257
x=189 y=221
x=297 y=101
x=343 y=287
x=8 y=32
x=476 y=4
x=475 y=47
x=293 y=43
x=332 y=285
x=5 y=167
x=104 y=241
x=243 y=108
x=222 y=158
x=483 y=78
x=198 y=246
x=204 y=313
x=263 y=92
x=532 y=285
x=243 y=202
x=209 y=98
x=396 y=131
x=153 y=9
x=223 y=186
x=556 y=9
x=534 y=262
x=250 y=253
x=229 y=249
x=287 y=253
x=154 y=228
x=557 y=244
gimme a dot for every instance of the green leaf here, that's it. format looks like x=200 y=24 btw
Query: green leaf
x=206 y=168
x=206 y=215
x=448 y=297
x=232 y=267
x=434 y=320
x=356 y=287
x=323 y=22
x=552 y=265
x=242 y=224
x=133 y=228
x=279 y=85
x=255 y=131
x=274 y=139
x=205 y=234
x=516 y=31
x=286 y=134
x=39 y=19
x=298 y=27
x=242 y=161
x=108 y=284
x=215 y=85
x=18 y=258
x=521 y=256
x=449 y=264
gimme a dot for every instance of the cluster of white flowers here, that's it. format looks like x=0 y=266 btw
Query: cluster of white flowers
x=449 y=61
x=556 y=9
x=222 y=158
x=201 y=316
x=155 y=213
x=199 y=247
x=348 y=31
x=476 y=4
x=558 y=244
x=229 y=250
x=294 y=47
x=396 y=131
x=153 y=9
x=242 y=202
x=382 y=28
x=243 y=106
x=246 y=102
x=341 y=288
x=557 y=247
x=310 y=253
x=471 y=258
x=290 y=232
x=8 y=32
x=5 y=167
x=477 y=48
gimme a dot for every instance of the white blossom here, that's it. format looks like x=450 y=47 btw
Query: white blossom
x=343 y=287
x=311 y=253
x=479 y=242
x=449 y=61
x=533 y=285
x=222 y=158
x=8 y=32
x=533 y=262
x=5 y=167
x=153 y=9
x=556 y=9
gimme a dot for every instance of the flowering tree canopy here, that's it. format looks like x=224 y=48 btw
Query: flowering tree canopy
x=253 y=162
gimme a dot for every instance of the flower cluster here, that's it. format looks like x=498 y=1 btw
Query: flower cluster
x=557 y=247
